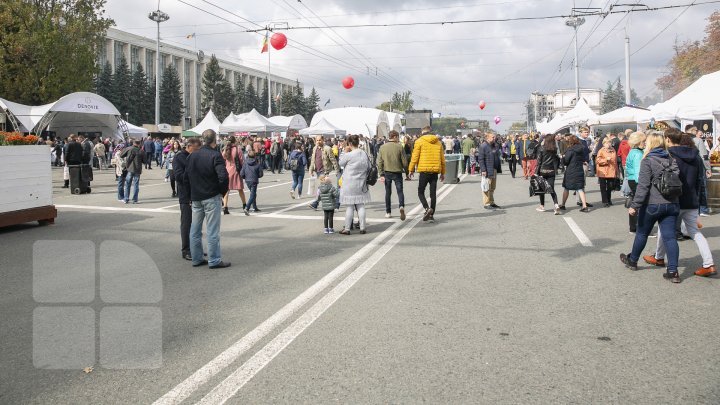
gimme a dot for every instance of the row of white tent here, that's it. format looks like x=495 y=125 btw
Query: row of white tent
x=699 y=101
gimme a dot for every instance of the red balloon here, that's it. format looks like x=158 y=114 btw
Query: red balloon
x=482 y=105
x=278 y=40
x=348 y=82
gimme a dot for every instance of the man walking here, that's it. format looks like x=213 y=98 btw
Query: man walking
x=322 y=162
x=391 y=164
x=489 y=166
x=135 y=159
x=704 y=155
x=149 y=148
x=428 y=159
x=524 y=156
x=100 y=153
x=467 y=145
x=208 y=179
x=183 y=191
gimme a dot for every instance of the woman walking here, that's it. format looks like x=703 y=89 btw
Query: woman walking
x=607 y=171
x=574 y=178
x=651 y=206
x=354 y=164
x=297 y=162
x=548 y=162
x=636 y=142
x=168 y=162
x=233 y=155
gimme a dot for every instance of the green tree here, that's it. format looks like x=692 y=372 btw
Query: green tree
x=140 y=110
x=447 y=126
x=149 y=101
x=312 y=105
x=251 y=98
x=385 y=106
x=264 y=103
x=224 y=99
x=103 y=82
x=171 y=102
x=211 y=81
x=120 y=95
x=609 y=99
x=48 y=48
x=402 y=102
x=239 y=105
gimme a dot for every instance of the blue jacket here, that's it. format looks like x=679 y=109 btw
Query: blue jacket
x=488 y=159
x=302 y=160
x=149 y=146
x=632 y=164
x=584 y=143
x=251 y=171
x=158 y=147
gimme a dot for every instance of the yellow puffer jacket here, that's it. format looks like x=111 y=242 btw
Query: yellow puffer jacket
x=428 y=155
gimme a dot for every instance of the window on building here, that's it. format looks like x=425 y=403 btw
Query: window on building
x=186 y=87
x=198 y=93
x=119 y=49
x=134 y=58
x=102 y=54
x=150 y=64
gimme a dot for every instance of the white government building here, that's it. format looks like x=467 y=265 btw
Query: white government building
x=190 y=65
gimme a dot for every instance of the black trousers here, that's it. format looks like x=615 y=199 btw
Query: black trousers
x=277 y=163
x=424 y=180
x=606 y=189
x=185 y=222
x=632 y=219
x=172 y=180
x=550 y=178
x=328 y=220
x=513 y=164
x=148 y=160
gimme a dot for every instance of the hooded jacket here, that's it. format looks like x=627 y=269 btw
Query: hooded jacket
x=302 y=160
x=574 y=178
x=328 y=196
x=650 y=169
x=251 y=171
x=428 y=155
x=692 y=170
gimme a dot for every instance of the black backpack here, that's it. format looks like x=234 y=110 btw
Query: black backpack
x=669 y=183
x=372 y=174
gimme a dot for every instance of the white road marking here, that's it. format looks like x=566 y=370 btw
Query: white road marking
x=337 y=215
x=233 y=383
x=126 y=209
x=191 y=384
x=584 y=240
x=292 y=207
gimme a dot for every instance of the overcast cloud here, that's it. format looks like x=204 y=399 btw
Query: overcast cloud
x=448 y=68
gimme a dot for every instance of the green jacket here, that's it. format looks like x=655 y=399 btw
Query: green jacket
x=467 y=145
x=392 y=158
x=328 y=197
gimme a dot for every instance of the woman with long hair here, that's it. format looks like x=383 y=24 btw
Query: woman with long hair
x=174 y=149
x=636 y=142
x=651 y=206
x=574 y=178
x=354 y=164
x=233 y=155
x=548 y=162
x=606 y=170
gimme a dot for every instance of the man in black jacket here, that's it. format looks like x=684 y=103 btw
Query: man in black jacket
x=489 y=165
x=208 y=180
x=183 y=192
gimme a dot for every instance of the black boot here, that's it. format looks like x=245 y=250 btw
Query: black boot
x=67 y=184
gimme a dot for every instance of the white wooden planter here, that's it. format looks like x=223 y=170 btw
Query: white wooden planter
x=26 y=184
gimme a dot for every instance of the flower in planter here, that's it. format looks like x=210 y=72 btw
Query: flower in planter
x=16 y=138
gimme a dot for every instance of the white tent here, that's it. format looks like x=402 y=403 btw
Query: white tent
x=356 y=120
x=624 y=115
x=323 y=127
x=209 y=122
x=697 y=102
x=580 y=114
x=133 y=131
x=551 y=127
x=27 y=116
x=294 y=122
x=394 y=121
x=250 y=122
x=81 y=112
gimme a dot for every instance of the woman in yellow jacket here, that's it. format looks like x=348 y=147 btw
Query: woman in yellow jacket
x=428 y=159
x=607 y=170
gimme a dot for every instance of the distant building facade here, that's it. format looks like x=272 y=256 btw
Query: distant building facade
x=190 y=66
x=545 y=106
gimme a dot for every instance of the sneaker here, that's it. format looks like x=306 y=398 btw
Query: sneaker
x=166 y=180
x=562 y=208
x=387 y=215
x=627 y=262
x=672 y=277
x=495 y=206
x=247 y=213
x=402 y=213
x=706 y=271
x=540 y=209
x=650 y=259
x=327 y=231
x=292 y=194
x=703 y=214
x=312 y=207
x=428 y=213
x=136 y=202
x=653 y=235
x=432 y=219
x=126 y=201
x=121 y=200
x=331 y=231
x=257 y=210
x=557 y=211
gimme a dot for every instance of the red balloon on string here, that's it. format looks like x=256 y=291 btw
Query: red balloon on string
x=348 y=82
x=278 y=40
x=482 y=105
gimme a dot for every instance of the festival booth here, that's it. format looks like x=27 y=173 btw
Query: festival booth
x=23 y=118
x=623 y=118
x=292 y=124
x=394 y=121
x=209 y=122
x=551 y=127
x=133 y=131
x=82 y=113
x=356 y=120
x=252 y=122
x=324 y=128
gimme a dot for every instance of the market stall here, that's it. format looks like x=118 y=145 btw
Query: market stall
x=356 y=120
x=209 y=122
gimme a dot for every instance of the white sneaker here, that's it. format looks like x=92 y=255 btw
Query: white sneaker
x=388 y=216
x=702 y=214
x=292 y=195
x=540 y=209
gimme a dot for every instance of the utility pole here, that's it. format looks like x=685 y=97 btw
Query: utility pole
x=158 y=16
x=628 y=99
x=575 y=22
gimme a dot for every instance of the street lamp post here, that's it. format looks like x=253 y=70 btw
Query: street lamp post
x=158 y=16
x=575 y=22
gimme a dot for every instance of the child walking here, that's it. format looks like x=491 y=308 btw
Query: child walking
x=328 y=197
x=251 y=172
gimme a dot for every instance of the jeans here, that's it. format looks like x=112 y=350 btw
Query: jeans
x=466 y=164
x=298 y=178
x=121 y=185
x=423 y=180
x=350 y=214
x=689 y=221
x=201 y=211
x=185 y=223
x=252 y=201
x=158 y=158
x=148 y=160
x=665 y=215
x=132 y=179
x=704 y=209
x=550 y=178
x=513 y=165
x=391 y=177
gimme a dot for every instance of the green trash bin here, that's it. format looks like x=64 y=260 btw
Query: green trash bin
x=453 y=163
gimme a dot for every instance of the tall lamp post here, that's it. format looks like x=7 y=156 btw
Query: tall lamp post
x=158 y=16
x=576 y=21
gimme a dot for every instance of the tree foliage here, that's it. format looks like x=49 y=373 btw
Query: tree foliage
x=251 y=98
x=693 y=59
x=103 y=82
x=48 y=48
x=217 y=93
x=142 y=98
x=239 y=103
x=171 y=102
x=614 y=97
x=120 y=89
x=312 y=105
x=399 y=102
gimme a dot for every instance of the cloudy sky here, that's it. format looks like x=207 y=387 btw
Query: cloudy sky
x=449 y=68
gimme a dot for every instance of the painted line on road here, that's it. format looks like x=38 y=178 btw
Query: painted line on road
x=317 y=218
x=584 y=240
x=233 y=383
x=191 y=384
x=117 y=209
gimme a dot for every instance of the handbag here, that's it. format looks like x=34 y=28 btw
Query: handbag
x=311 y=185
x=372 y=174
x=625 y=188
x=238 y=163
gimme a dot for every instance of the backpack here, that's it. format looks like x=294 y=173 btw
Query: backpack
x=294 y=163
x=372 y=173
x=532 y=148
x=669 y=183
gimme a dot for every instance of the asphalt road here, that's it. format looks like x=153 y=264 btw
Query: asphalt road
x=505 y=306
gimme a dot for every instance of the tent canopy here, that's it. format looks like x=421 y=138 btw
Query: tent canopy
x=209 y=122
x=696 y=102
x=27 y=116
x=394 y=121
x=250 y=122
x=580 y=114
x=624 y=115
x=294 y=122
x=551 y=127
x=323 y=127
x=134 y=131
x=356 y=120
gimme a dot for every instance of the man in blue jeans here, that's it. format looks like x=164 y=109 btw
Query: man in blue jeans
x=391 y=164
x=135 y=159
x=208 y=181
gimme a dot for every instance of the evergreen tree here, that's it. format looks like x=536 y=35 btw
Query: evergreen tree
x=312 y=105
x=634 y=99
x=619 y=95
x=239 y=103
x=103 y=82
x=264 y=102
x=299 y=100
x=212 y=78
x=139 y=114
x=224 y=99
x=609 y=101
x=121 y=87
x=171 y=102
